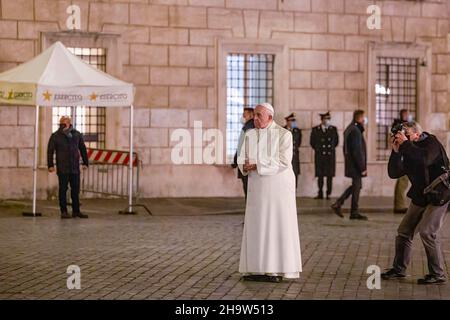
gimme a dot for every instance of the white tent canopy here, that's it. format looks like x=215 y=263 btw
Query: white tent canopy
x=56 y=77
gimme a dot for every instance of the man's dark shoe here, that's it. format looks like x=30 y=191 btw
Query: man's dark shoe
x=80 y=215
x=358 y=216
x=392 y=274
x=319 y=196
x=337 y=209
x=65 y=215
x=400 y=211
x=328 y=197
x=431 y=279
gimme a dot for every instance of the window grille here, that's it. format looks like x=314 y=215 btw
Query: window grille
x=249 y=82
x=90 y=121
x=396 y=89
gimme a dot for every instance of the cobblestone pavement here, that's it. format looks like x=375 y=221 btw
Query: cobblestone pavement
x=196 y=257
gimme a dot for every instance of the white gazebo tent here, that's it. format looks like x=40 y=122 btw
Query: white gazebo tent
x=56 y=77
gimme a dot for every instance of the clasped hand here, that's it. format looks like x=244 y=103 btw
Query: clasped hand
x=249 y=167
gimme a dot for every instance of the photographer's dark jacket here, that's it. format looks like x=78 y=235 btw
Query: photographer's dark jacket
x=354 y=151
x=68 y=147
x=421 y=161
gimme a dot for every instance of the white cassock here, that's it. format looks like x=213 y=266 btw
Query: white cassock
x=270 y=242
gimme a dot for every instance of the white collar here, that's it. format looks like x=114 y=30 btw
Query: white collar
x=270 y=126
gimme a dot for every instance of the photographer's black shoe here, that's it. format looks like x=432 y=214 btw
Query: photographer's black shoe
x=65 y=215
x=431 y=279
x=337 y=209
x=392 y=274
x=358 y=216
x=319 y=196
x=80 y=215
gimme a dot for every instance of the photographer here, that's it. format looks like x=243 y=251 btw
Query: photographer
x=420 y=156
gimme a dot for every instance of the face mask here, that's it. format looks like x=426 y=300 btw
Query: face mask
x=366 y=121
x=62 y=126
x=409 y=118
x=243 y=121
x=326 y=123
x=293 y=124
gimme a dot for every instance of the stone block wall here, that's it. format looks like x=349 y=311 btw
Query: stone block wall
x=169 y=51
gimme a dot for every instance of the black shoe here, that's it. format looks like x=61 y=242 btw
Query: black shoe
x=262 y=278
x=80 y=215
x=276 y=279
x=319 y=196
x=431 y=279
x=392 y=274
x=357 y=216
x=254 y=277
x=65 y=215
x=337 y=209
x=328 y=197
x=400 y=211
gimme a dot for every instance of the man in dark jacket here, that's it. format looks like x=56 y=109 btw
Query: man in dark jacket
x=421 y=157
x=324 y=140
x=247 y=120
x=291 y=125
x=68 y=144
x=355 y=165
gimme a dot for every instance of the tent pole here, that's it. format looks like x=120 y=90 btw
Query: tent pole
x=130 y=191
x=130 y=187
x=130 y=167
x=35 y=161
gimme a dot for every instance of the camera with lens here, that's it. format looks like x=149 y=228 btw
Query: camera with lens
x=396 y=128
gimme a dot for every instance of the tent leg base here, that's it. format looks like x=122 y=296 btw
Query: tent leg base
x=127 y=212
x=31 y=214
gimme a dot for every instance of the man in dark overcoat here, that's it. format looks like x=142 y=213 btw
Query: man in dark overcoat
x=324 y=140
x=247 y=121
x=355 y=156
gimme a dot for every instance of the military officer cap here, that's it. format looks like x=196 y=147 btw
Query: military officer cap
x=290 y=117
x=325 y=115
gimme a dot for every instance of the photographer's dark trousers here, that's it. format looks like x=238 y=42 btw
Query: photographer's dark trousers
x=74 y=181
x=427 y=221
x=353 y=191
x=320 y=181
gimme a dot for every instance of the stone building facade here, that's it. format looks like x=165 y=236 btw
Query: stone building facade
x=174 y=51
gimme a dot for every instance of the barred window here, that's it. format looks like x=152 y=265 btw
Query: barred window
x=249 y=82
x=396 y=89
x=90 y=121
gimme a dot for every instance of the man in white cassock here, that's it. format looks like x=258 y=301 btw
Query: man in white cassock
x=270 y=244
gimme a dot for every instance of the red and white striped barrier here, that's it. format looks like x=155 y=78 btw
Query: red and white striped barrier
x=111 y=157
